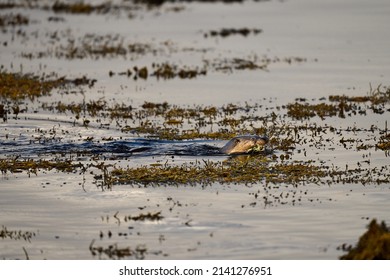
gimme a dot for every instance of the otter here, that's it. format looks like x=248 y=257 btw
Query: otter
x=245 y=144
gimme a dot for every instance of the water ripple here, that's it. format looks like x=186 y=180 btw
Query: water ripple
x=122 y=148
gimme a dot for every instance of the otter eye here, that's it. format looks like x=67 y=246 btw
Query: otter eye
x=237 y=140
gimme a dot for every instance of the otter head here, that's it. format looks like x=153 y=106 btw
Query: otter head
x=245 y=144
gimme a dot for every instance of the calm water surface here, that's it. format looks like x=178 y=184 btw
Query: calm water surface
x=342 y=48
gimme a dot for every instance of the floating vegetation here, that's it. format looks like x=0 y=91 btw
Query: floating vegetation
x=253 y=170
x=167 y=71
x=251 y=63
x=307 y=111
x=17 y=86
x=81 y=81
x=92 y=107
x=93 y=46
x=384 y=143
x=16 y=234
x=158 y=3
x=173 y=122
x=238 y=64
x=145 y=217
x=379 y=95
x=79 y=8
x=225 y=32
x=246 y=170
x=374 y=244
x=13 y=20
x=66 y=45
x=89 y=46
x=114 y=252
x=345 y=105
x=73 y=139
x=163 y=71
x=32 y=166
x=170 y=115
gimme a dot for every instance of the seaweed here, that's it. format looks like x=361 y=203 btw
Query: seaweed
x=145 y=217
x=16 y=234
x=17 y=86
x=13 y=20
x=225 y=32
x=249 y=171
x=172 y=122
x=164 y=71
x=115 y=252
x=374 y=244
x=79 y=7
x=384 y=142
x=32 y=166
x=350 y=105
x=307 y=111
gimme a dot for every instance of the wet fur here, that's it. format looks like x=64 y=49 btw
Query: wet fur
x=243 y=144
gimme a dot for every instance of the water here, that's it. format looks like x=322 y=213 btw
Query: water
x=342 y=48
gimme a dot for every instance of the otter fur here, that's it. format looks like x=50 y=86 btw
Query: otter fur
x=245 y=144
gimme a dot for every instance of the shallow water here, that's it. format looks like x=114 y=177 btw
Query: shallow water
x=342 y=48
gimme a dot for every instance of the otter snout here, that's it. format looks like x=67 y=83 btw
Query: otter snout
x=245 y=144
